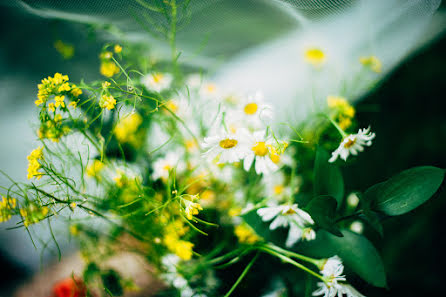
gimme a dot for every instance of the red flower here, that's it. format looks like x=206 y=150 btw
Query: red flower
x=70 y=287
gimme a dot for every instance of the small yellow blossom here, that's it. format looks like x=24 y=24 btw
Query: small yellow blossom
x=94 y=169
x=75 y=91
x=109 y=68
x=126 y=128
x=341 y=111
x=73 y=205
x=51 y=107
x=107 y=101
x=33 y=214
x=64 y=87
x=38 y=102
x=105 y=84
x=118 y=48
x=315 y=56
x=181 y=248
x=245 y=234
x=106 y=55
x=74 y=230
x=372 y=62
x=191 y=208
x=7 y=205
x=73 y=104
x=33 y=163
x=59 y=101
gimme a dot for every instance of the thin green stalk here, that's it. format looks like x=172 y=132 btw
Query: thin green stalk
x=240 y=278
x=316 y=262
x=292 y=262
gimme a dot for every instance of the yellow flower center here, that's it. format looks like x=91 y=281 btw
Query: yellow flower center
x=228 y=143
x=172 y=106
x=278 y=189
x=350 y=143
x=289 y=211
x=314 y=56
x=157 y=77
x=251 y=108
x=260 y=149
x=210 y=88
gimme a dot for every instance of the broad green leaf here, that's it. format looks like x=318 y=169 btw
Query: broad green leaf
x=355 y=250
x=323 y=211
x=327 y=177
x=405 y=191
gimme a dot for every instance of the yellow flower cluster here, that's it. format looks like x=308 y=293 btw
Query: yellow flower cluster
x=372 y=62
x=58 y=86
x=6 y=207
x=125 y=130
x=174 y=244
x=341 y=111
x=94 y=169
x=33 y=163
x=33 y=214
x=53 y=129
x=245 y=234
x=107 y=101
x=191 y=207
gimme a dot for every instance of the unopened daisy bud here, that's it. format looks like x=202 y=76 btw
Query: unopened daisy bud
x=352 y=200
x=357 y=227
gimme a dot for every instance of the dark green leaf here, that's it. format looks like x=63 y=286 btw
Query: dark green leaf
x=327 y=177
x=262 y=228
x=112 y=282
x=356 y=251
x=323 y=211
x=405 y=191
x=373 y=219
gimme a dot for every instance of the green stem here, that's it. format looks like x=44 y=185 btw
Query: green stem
x=316 y=262
x=172 y=37
x=245 y=271
x=292 y=262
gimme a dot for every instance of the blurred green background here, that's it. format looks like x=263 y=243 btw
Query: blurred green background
x=407 y=112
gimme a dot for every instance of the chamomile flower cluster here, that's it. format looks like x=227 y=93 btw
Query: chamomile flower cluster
x=241 y=134
x=335 y=284
x=289 y=216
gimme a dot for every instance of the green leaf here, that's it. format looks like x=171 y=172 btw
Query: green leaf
x=323 y=211
x=373 y=219
x=355 y=250
x=327 y=177
x=405 y=191
x=112 y=282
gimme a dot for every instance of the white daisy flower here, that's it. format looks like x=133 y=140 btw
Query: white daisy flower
x=227 y=147
x=209 y=90
x=332 y=271
x=255 y=111
x=260 y=152
x=157 y=81
x=352 y=144
x=163 y=166
x=288 y=216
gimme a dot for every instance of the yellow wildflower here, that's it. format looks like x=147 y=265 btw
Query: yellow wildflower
x=191 y=208
x=118 y=48
x=105 y=84
x=372 y=62
x=181 y=248
x=64 y=87
x=74 y=230
x=109 y=68
x=38 y=102
x=342 y=111
x=127 y=127
x=6 y=207
x=94 y=169
x=245 y=234
x=59 y=101
x=75 y=91
x=73 y=104
x=33 y=163
x=51 y=107
x=315 y=56
x=33 y=214
x=107 y=101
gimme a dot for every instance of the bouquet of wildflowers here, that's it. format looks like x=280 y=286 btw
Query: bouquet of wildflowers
x=219 y=196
